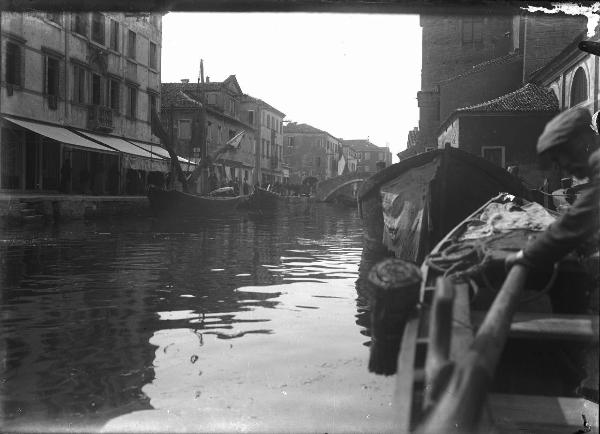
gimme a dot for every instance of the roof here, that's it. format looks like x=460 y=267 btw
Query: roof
x=177 y=94
x=507 y=58
x=363 y=145
x=529 y=98
x=246 y=97
x=295 y=128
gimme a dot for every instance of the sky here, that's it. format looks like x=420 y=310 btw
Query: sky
x=355 y=76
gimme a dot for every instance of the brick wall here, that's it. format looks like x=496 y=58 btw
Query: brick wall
x=487 y=84
x=547 y=36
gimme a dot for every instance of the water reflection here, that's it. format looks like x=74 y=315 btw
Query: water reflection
x=120 y=317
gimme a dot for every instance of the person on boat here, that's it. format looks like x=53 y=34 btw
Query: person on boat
x=213 y=182
x=569 y=141
x=246 y=188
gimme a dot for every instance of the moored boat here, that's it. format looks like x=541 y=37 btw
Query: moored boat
x=410 y=205
x=491 y=351
x=176 y=204
x=264 y=200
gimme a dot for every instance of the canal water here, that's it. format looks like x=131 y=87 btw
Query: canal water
x=250 y=324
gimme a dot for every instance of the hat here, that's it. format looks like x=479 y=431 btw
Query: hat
x=563 y=128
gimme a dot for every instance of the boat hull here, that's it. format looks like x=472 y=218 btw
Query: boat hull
x=411 y=205
x=172 y=203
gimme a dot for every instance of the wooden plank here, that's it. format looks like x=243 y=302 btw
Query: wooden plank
x=462 y=331
x=405 y=374
x=542 y=414
x=549 y=326
x=440 y=327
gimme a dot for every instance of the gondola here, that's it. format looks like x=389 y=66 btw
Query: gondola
x=176 y=204
x=265 y=200
x=410 y=205
x=486 y=350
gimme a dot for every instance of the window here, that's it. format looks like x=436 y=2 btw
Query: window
x=472 y=30
x=152 y=62
x=114 y=94
x=495 y=154
x=131 y=44
x=367 y=155
x=12 y=64
x=212 y=99
x=98 y=28
x=263 y=148
x=231 y=107
x=114 y=35
x=152 y=105
x=132 y=102
x=78 y=84
x=80 y=23
x=268 y=148
x=268 y=121
x=52 y=80
x=185 y=129
x=579 y=87
x=96 y=89
x=380 y=156
x=251 y=117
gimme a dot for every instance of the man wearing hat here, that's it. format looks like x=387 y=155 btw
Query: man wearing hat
x=569 y=141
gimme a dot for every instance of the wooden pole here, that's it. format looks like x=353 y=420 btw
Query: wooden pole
x=460 y=405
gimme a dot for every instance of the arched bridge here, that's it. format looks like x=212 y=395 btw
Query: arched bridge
x=327 y=188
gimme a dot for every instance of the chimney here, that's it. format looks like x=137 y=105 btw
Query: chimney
x=207 y=79
x=201 y=71
x=185 y=80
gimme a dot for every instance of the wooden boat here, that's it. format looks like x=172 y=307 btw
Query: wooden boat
x=264 y=200
x=409 y=206
x=176 y=204
x=534 y=343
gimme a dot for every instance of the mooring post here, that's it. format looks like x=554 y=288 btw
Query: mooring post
x=396 y=284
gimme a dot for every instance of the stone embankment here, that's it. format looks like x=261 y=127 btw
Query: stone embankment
x=23 y=208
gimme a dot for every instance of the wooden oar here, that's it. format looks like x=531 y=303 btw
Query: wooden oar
x=460 y=405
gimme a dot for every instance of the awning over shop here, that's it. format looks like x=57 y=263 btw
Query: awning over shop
x=120 y=145
x=156 y=149
x=134 y=157
x=59 y=134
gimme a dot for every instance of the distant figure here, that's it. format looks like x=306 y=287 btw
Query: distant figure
x=213 y=182
x=236 y=187
x=513 y=170
x=65 y=176
x=246 y=188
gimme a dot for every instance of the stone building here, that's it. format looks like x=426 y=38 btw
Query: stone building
x=369 y=156
x=310 y=152
x=268 y=122
x=224 y=118
x=350 y=158
x=76 y=91
x=460 y=52
x=505 y=130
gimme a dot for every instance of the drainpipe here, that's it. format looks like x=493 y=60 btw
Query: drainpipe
x=66 y=62
x=524 y=50
x=597 y=78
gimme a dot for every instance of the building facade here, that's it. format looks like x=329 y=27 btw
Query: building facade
x=461 y=51
x=370 y=158
x=223 y=117
x=76 y=92
x=310 y=152
x=268 y=123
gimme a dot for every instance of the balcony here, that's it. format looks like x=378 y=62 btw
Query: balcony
x=100 y=118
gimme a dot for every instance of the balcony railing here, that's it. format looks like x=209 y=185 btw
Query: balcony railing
x=100 y=118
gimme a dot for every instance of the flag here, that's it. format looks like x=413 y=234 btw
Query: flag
x=236 y=141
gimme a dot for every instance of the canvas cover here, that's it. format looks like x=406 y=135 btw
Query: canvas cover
x=405 y=209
